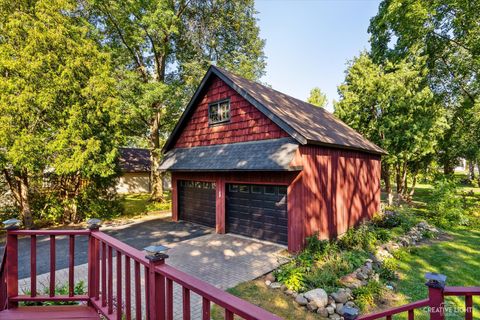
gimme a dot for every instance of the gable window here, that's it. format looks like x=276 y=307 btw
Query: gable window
x=219 y=112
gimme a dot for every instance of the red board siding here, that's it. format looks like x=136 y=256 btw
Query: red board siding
x=337 y=189
x=246 y=122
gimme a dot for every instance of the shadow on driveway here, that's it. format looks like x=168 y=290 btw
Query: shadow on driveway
x=138 y=235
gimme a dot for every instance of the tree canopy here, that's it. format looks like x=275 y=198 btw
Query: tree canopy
x=58 y=111
x=317 y=98
x=162 y=49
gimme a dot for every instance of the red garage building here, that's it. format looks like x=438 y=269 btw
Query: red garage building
x=253 y=161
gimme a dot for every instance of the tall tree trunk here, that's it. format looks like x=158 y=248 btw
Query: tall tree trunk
x=156 y=176
x=405 y=180
x=471 y=170
x=478 y=170
x=388 y=184
x=399 y=180
x=25 y=200
x=414 y=183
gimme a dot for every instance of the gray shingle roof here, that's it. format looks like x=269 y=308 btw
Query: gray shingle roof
x=263 y=155
x=134 y=159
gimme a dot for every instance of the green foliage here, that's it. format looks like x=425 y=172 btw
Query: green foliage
x=317 y=98
x=79 y=289
x=387 y=271
x=365 y=296
x=59 y=113
x=292 y=276
x=361 y=238
x=446 y=207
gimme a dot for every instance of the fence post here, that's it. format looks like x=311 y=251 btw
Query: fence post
x=11 y=262
x=157 y=304
x=93 y=258
x=436 y=284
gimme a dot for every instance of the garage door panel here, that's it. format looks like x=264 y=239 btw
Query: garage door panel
x=258 y=211
x=196 y=202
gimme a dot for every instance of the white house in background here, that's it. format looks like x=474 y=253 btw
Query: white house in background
x=461 y=165
x=135 y=167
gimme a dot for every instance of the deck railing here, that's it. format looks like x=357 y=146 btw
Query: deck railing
x=434 y=304
x=143 y=288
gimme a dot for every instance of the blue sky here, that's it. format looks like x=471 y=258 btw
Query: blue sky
x=310 y=42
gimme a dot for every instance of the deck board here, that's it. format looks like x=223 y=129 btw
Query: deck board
x=50 y=312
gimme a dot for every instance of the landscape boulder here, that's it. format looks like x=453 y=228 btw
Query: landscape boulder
x=319 y=296
x=301 y=300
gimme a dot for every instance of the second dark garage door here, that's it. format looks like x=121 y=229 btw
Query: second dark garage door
x=258 y=211
x=196 y=202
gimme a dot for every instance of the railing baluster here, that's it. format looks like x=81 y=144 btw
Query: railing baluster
x=147 y=292
x=71 y=265
x=128 y=294
x=138 y=292
x=110 y=281
x=104 y=274
x=389 y=317
x=228 y=315
x=119 y=286
x=411 y=314
x=186 y=303
x=169 y=297
x=52 y=266
x=33 y=266
x=468 y=307
x=97 y=269
x=205 y=309
x=12 y=268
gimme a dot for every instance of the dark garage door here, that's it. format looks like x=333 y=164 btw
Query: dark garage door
x=196 y=202
x=258 y=211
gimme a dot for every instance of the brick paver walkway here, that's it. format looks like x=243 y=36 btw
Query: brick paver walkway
x=221 y=260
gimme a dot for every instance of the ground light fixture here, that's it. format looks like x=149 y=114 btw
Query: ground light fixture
x=435 y=280
x=94 y=223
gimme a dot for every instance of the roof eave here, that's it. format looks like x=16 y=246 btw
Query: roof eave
x=379 y=152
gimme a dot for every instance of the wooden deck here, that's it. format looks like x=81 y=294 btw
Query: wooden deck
x=50 y=313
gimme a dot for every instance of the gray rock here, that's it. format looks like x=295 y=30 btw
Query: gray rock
x=268 y=282
x=319 y=296
x=350 y=281
x=312 y=306
x=301 y=300
x=339 y=309
x=283 y=287
x=289 y=292
x=322 y=312
x=330 y=300
x=341 y=296
x=270 y=277
x=362 y=276
x=350 y=304
x=275 y=285
x=335 y=317
x=330 y=310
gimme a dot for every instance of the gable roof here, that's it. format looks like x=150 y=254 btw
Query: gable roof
x=134 y=160
x=304 y=122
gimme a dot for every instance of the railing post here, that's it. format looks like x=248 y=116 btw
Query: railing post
x=11 y=262
x=157 y=304
x=93 y=257
x=436 y=284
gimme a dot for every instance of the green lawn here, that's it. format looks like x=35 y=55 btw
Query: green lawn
x=139 y=204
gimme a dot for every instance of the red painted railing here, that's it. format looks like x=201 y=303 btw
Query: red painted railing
x=109 y=259
x=434 y=305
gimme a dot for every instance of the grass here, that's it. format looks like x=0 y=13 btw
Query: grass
x=139 y=204
x=271 y=300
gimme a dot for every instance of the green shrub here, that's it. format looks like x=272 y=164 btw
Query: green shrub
x=387 y=270
x=79 y=289
x=446 y=208
x=292 y=276
x=365 y=296
x=363 y=238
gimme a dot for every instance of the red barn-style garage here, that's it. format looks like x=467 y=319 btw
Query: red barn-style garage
x=249 y=160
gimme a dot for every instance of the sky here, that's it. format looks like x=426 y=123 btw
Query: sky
x=308 y=43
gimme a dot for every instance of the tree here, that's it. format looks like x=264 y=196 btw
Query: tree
x=58 y=111
x=393 y=106
x=162 y=49
x=448 y=35
x=317 y=98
